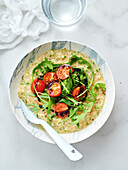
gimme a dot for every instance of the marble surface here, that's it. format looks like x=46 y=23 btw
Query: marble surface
x=104 y=27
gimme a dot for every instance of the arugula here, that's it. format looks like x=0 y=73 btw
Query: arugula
x=28 y=94
x=54 y=100
x=93 y=93
x=25 y=101
x=66 y=101
x=96 y=86
x=90 y=68
x=72 y=112
x=79 y=77
x=75 y=102
x=50 y=102
x=34 y=107
x=75 y=58
x=44 y=106
x=75 y=79
x=65 y=90
x=50 y=116
x=46 y=64
x=56 y=65
x=44 y=95
x=69 y=81
x=67 y=84
x=49 y=108
x=24 y=83
x=77 y=118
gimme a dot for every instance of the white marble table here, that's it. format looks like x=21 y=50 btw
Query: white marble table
x=104 y=28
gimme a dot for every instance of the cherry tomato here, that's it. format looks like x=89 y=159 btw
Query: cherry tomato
x=77 y=91
x=54 y=89
x=63 y=71
x=61 y=110
x=50 y=77
x=39 y=85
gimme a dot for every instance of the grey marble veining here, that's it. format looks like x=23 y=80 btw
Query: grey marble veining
x=104 y=28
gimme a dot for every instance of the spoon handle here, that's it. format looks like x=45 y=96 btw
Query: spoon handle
x=69 y=150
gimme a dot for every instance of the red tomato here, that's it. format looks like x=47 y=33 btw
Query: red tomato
x=50 y=77
x=61 y=110
x=39 y=85
x=54 y=89
x=63 y=71
x=77 y=91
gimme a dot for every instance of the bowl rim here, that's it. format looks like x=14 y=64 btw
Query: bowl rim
x=81 y=138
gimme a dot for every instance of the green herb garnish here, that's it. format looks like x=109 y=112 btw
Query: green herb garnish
x=66 y=101
x=93 y=93
x=24 y=83
x=75 y=58
x=77 y=118
x=34 y=107
x=28 y=94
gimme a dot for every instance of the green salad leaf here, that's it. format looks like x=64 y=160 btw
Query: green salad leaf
x=79 y=77
x=64 y=85
x=75 y=58
x=28 y=94
x=75 y=102
x=76 y=78
x=66 y=101
x=50 y=116
x=93 y=93
x=72 y=112
x=49 y=106
x=34 y=108
x=44 y=95
x=67 y=84
x=46 y=64
x=24 y=83
x=77 y=118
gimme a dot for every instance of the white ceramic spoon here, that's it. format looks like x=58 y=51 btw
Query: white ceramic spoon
x=69 y=151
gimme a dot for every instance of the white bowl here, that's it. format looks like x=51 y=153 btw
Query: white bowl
x=97 y=123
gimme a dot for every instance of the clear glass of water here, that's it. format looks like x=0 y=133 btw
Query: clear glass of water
x=64 y=12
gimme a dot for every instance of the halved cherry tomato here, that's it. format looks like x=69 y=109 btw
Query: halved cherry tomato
x=77 y=91
x=61 y=110
x=63 y=71
x=39 y=85
x=54 y=89
x=50 y=77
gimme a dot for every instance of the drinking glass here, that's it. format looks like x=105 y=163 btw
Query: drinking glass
x=64 y=12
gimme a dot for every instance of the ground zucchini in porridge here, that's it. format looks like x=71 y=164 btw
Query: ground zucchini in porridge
x=65 y=88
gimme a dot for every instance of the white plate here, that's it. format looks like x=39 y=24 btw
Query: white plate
x=98 y=122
